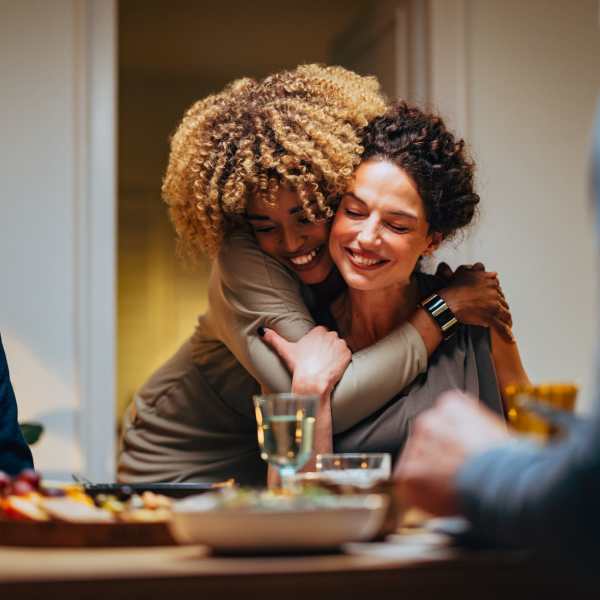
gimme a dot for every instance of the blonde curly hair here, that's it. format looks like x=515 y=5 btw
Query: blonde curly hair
x=297 y=128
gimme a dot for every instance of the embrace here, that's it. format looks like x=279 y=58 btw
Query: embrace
x=318 y=203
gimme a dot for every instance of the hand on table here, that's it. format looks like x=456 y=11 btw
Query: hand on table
x=442 y=439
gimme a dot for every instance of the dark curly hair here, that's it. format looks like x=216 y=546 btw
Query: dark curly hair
x=420 y=144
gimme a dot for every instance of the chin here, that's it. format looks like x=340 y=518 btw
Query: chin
x=356 y=282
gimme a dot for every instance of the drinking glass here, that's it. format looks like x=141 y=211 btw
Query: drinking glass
x=540 y=410
x=360 y=470
x=286 y=429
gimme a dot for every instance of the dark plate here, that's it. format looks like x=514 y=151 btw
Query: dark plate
x=173 y=490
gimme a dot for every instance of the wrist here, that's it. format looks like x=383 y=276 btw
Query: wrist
x=311 y=386
x=438 y=310
x=452 y=298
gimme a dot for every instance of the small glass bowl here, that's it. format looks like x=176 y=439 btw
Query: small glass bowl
x=357 y=470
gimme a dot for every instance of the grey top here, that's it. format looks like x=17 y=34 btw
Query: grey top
x=546 y=497
x=193 y=419
x=462 y=362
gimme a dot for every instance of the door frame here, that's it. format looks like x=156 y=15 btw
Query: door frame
x=96 y=208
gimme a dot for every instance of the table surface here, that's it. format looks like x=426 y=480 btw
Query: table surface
x=424 y=565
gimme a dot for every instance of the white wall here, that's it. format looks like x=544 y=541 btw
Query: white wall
x=520 y=81
x=51 y=221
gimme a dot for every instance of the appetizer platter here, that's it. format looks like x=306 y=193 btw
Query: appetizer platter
x=36 y=513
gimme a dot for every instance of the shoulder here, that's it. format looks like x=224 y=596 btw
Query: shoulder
x=240 y=259
x=247 y=280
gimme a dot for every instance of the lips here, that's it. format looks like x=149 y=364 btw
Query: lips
x=365 y=260
x=303 y=262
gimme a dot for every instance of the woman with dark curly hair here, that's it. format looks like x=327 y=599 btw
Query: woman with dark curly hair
x=266 y=161
x=413 y=190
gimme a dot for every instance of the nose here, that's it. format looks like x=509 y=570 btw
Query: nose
x=291 y=240
x=368 y=236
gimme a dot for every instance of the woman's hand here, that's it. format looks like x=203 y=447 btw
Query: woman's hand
x=317 y=361
x=475 y=297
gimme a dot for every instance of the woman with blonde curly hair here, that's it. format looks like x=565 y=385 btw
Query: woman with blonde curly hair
x=253 y=179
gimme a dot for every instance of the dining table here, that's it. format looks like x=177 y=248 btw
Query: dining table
x=418 y=565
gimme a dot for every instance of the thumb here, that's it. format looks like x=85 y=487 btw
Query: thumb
x=283 y=348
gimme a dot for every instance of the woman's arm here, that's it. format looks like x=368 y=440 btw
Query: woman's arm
x=507 y=360
x=490 y=309
x=248 y=289
x=494 y=309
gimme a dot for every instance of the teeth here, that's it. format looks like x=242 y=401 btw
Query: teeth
x=362 y=260
x=304 y=260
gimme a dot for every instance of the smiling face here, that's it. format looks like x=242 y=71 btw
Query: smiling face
x=283 y=232
x=380 y=229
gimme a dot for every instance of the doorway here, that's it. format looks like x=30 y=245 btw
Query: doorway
x=171 y=54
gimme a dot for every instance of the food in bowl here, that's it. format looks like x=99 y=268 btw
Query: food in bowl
x=246 y=520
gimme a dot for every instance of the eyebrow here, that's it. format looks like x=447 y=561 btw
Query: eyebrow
x=395 y=213
x=256 y=217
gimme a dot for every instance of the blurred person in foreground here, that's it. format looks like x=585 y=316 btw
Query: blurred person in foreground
x=14 y=452
x=461 y=459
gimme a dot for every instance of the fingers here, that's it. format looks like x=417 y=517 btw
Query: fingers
x=478 y=266
x=280 y=345
x=444 y=271
x=505 y=332
x=502 y=312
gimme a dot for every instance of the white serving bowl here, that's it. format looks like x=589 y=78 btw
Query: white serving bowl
x=349 y=519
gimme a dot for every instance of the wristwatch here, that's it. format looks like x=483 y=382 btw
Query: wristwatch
x=438 y=310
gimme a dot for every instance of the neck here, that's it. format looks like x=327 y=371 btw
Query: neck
x=327 y=291
x=369 y=316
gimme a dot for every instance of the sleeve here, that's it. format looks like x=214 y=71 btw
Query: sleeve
x=14 y=452
x=249 y=288
x=546 y=497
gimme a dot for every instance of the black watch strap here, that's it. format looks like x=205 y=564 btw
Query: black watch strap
x=438 y=310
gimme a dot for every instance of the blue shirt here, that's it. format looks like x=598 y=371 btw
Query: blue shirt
x=14 y=452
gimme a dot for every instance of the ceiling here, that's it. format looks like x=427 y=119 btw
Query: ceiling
x=229 y=39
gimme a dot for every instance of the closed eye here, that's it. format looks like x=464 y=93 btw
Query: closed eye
x=398 y=228
x=263 y=229
x=353 y=214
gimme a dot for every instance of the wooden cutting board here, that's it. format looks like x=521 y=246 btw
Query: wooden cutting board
x=65 y=534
